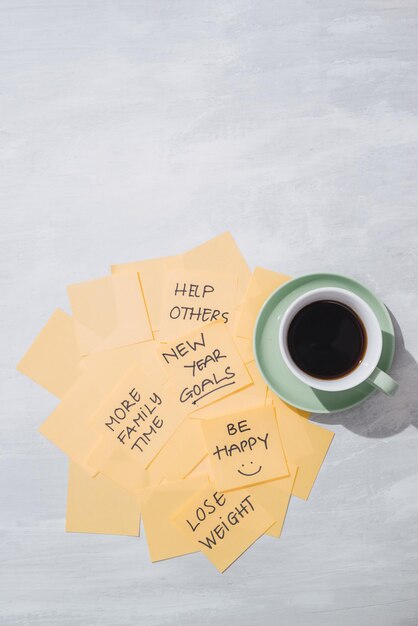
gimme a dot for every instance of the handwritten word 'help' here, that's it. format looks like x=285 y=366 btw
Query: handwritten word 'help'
x=231 y=519
x=193 y=291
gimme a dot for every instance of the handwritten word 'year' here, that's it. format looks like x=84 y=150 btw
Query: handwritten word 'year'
x=201 y=364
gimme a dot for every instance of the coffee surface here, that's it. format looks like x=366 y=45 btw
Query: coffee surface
x=326 y=339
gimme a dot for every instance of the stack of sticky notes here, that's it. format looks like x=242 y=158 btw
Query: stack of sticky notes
x=162 y=411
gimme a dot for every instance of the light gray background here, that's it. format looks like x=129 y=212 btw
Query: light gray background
x=134 y=129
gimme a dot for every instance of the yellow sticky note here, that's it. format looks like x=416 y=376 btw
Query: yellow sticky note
x=146 y=354
x=220 y=254
x=204 y=366
x=203 y=468
x=151 y=273
x=274 y=496
x=271 y=398
x=164 y=539
x=250 y=397
x=118 y=465
x=193 y=298
x=262 y=283
x=96 y=505
x=140 y=414
x=180 y=454
x=68 y=425
x=245 y=348
x=305 y=444
x=245 y=448
x=222 y=525
x=109 y=313
x=53 y=359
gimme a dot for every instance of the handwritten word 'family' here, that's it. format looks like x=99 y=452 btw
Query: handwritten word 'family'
x=213 y=505
x=202 y=314
x=143 y=426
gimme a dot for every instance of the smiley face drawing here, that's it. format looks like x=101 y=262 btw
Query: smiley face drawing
x=249 y=473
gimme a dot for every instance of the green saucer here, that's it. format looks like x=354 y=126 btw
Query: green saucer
x=272 y=366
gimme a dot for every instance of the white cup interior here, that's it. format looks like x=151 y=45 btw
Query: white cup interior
x=374 y=338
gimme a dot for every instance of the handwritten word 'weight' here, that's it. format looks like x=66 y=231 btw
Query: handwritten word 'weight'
x=232 y=518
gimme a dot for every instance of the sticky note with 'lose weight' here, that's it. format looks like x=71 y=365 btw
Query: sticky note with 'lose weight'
x=222 y=525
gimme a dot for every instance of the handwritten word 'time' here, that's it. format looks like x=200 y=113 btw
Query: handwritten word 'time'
x=143 y=421
x=211 y=506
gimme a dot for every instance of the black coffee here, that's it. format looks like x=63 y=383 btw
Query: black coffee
x=326 y=339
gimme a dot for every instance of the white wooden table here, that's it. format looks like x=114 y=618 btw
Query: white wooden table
x=132 y=129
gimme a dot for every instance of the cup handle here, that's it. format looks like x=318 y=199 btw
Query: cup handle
x=383 y=381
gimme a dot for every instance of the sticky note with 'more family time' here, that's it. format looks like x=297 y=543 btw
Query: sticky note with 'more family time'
x=193 y=298
x=204 y=365
x=222 y=525
x=245 y=448
x=139 y=414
